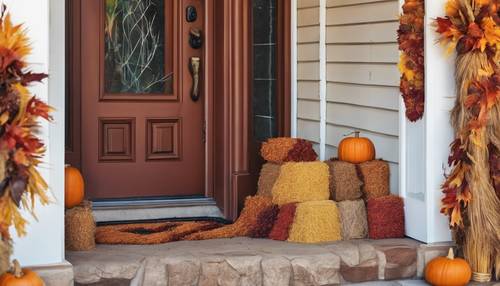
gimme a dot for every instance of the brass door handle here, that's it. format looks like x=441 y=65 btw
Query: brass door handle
x=194 y=68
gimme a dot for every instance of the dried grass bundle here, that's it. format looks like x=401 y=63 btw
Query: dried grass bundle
x=316 y=222
x=301 y=182
x=246 y=225
x=79 y=227
x=472 y=29
x=344 y=181
x=268 y=176
x=5 y=253
x=353 y=219
x=151 y=233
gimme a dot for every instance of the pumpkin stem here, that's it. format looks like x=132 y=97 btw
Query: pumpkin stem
x=450 y=254
x=356 y=134
x=17 y=270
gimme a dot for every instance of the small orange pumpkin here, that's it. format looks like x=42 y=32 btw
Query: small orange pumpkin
x=356 y=149
x=20 y=277
x=73 y=187
x=448 y=271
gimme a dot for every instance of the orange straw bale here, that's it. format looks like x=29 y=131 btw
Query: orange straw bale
x=376 y=175
x=276 y=149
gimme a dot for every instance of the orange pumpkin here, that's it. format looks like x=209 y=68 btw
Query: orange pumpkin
x=21 y=277
x=356 y=149
x=448 y=271
x=73 y=187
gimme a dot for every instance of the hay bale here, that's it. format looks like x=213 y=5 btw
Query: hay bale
x=353 y=219
x=375 y=175
x=386 y=217
x=285 y=149
x=276 y=149
x=314 y=222
x=344 y=181
x=301 y=182
x=5 y=253
x=283 y=222
x=268 y=176
x=80 y=228
x=254 y=213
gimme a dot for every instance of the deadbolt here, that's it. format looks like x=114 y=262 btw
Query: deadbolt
x=195 y=39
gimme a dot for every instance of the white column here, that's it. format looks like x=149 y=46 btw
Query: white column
x=44 y=243
x=424 y=145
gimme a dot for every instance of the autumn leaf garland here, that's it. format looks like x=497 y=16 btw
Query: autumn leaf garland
x=471 y=27
x=20 y=149
x=411 y=64
x=471 y=198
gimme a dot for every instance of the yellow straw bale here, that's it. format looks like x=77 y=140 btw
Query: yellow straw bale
x=316 y=222
x=301 y=182
x=80 y=228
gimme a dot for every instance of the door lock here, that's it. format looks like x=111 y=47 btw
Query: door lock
x=195 y=39
x=194 y=68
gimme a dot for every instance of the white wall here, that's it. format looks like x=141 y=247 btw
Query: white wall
x=44 y=243
x=347 y=77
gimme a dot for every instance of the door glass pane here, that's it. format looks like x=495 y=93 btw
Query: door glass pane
x=134 y=47
x=264 y=70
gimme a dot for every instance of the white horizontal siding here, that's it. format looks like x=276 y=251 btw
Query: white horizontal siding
x=308 y=70
x=308 y=52
x=308 y=90
x=308 y=129
x=367 y=53
x=307 y=3
x=368 y=13
x=308 y=34
x=308 y=109
x=361 y=73
x=337 y=3
x=365 y=95
x=308 y=17
x=363 y=33
x=367 y=118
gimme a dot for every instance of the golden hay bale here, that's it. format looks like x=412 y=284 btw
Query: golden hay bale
x=316 y=222
x=268 y=176
x=301 y=182
x=344 y=181
x=5 y=253
x=376 y=176
x=80 y=228
x=353 y=219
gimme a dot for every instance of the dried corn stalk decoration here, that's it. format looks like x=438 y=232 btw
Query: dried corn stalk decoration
x=471 y=194
x=20 y=149
x=411 y=63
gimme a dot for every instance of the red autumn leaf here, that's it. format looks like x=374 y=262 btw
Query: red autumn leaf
x=39 y=108
x=30 y=77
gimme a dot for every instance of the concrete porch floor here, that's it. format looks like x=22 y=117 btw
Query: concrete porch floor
x=245 y=261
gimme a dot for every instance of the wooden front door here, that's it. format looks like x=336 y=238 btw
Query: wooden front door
x=142 y=122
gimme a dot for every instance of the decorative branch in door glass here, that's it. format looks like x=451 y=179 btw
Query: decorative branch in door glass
x=134 y=51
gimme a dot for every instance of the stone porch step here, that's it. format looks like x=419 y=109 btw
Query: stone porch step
x=245 y=261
